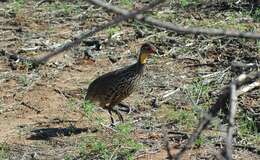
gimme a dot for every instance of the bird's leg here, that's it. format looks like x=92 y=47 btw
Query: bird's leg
x=111 y=116
x=119 y=115
x=126 y=107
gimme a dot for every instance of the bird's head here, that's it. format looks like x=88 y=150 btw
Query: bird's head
x=146 y=50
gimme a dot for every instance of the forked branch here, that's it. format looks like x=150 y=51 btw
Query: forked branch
x=244 y=84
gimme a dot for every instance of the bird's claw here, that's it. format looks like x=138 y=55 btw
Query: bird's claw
x=114 y=124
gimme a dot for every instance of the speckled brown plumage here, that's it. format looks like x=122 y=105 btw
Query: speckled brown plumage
x=113 y=87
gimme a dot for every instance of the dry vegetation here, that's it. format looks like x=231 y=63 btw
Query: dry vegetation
x=42 y=112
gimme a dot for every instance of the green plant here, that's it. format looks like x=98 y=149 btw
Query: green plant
x=247 y=125
x=71 y=103
x=91 y=115
x=185 y=3
x=16 y=5
x=93 y=145
x=29 y=65
x=24 y=80
x=127 y=3
x=4 y=151
x=258 y=45
x=256 y=15
x=63 y=8
x=1 y=104
x=115 y=145
x=183 y=118
x=68 y=157
x=257 y=139
x=200 y=141
x=198 y=92
x=112 y=30
x=88 y=108
x=247 y=129
x=124 y=128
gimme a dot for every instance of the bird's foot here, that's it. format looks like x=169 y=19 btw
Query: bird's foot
x=114 y=124
x=110 y=127
x=126 y=108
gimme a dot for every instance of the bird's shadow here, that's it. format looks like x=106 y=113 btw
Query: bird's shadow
x=48 y=133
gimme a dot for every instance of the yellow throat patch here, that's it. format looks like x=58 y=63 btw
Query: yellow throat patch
x=143 y=58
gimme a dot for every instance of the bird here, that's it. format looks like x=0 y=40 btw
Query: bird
x=111 y=88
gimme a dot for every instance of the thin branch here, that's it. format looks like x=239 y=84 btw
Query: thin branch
x=76 y=40
x=249 y=87
x=41 y=2
x=166 y=141
x=168 y=150
x=232 y=113
x=221 y=102
x=231 y=120
x=233 y=105
x=202 y=125
x=197 y=30
x=253 y=149
x=178 y=28
x=13 y=57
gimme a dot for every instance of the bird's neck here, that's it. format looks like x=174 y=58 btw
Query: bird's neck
x=143 y=58
x=139 y=66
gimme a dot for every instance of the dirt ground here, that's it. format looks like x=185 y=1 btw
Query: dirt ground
x=41 y=115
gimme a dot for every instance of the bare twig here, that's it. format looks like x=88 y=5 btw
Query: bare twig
x=178 y=28
x=196 y=30
x=10 y=28
x=249 y=87
x=253 y=149
x=11 y=56
x=169 y=155
x=243 y=66
x=30 y=107
x=231 y=121
x=165 y=97
x=43 y=1
x=169 y=93
x=221 y=102
x=232 y=113
x=166 y=141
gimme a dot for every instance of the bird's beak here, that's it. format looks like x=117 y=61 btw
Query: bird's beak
x=153 y=50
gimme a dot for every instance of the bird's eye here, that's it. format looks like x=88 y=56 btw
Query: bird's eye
x=146 y=47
